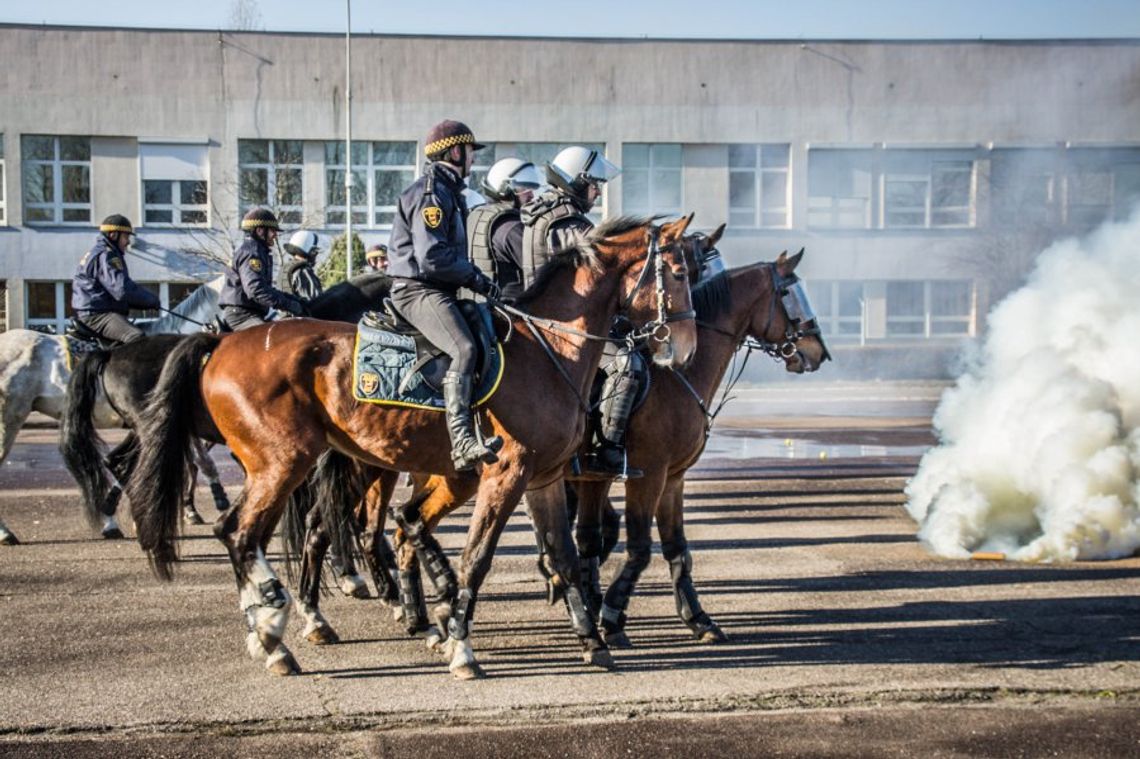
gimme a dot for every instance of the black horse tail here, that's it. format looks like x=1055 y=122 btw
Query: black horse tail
x=295 y=525
x=338 y=485
x=80 y=444
x=165 y=433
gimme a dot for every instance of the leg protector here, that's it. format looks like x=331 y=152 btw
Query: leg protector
x=591 y=582
x=463 y=612
x=382 y=563
x=412 y=600
x=618 y=595
x=688 y=606
x=580 y=618
x=619 y=392
x=431 y=556
x=221 y=500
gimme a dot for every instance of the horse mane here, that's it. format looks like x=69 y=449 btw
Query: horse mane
x=712 y=297
x=578 y=250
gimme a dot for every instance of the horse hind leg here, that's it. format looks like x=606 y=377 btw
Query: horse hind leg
x=377 y=551
x=317 y=629
x=13 y=413
x=675 y=549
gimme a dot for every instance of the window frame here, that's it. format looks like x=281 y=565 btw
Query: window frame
x=758 y=172
x=934 y=160
x=650 y=169
x=370 y=208
x=57 y=163
x=835 y=208
x=928 y=320
x=291 y=213
x=176 y=206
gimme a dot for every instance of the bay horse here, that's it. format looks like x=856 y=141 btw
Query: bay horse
x=35 y=368
x=114 y=383
x=280 y=395
x=759 y=306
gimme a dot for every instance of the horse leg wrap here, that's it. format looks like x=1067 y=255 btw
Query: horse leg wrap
x=430 y=554
x=221 y=500
x=265 y=603
x=618 y=595
x=591 y=581
x=580 y=618
x=412 y=599
x=463 y=613
x=688 y=607
x=382 y=563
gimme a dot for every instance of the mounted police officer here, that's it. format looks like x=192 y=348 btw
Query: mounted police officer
x=576 y=175
x=377 y=257
x=495 y=229
x=102 y=291
x=248 y=295
x=303 y=281
x=428 y=263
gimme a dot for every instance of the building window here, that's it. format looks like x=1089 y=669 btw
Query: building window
x=838 y=306
x=839 y=189
x=175 y=184
x=380 y=172
x=270 y=174
x=651 y=179
x=930 y=309
x=927 y=189
x=179 y=291
x=1100 y=184
x=1024 y=187
x=3 y=204
x=48 y=306
x=57 y=179
x=758 y=186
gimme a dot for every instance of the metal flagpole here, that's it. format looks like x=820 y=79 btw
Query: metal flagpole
x=348 y=142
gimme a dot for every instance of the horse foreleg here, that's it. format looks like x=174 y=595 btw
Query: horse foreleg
x=317 y=629
x=15 y=405
x=377 y=551
x=209 y=469
x=592 y=497
x=548 y=510
x=671 y=527
x=641 y=497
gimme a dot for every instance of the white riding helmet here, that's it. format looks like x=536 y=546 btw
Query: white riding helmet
x=509 y=177
x=302 y=243
x=574 y=166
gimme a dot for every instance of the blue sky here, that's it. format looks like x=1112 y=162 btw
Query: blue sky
x=755 y=19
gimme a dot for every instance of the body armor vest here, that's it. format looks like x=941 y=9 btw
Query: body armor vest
x=537 y=227
x=480 y=222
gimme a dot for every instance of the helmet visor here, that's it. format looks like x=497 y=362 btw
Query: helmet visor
x=526 y=178
x=598 y=169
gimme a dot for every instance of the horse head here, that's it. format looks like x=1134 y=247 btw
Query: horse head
x=654 y=287
x=788 y=328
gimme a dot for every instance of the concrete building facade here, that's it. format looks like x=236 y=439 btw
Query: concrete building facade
x=920 y=176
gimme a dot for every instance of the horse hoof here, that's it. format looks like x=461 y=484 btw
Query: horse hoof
x=112 y=533
x=193 y=517
x=282 y=664
x=436 y=641
x=600 y=657
x=353 y=586
x=712 y=635
x=323 y=636
x=468 y=672
x=618 y=640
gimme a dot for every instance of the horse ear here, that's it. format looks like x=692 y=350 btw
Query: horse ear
x=716 y=235
x=786 y=265
x=675 y=229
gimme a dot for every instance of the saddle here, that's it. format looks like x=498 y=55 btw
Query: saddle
x=79 y=340
x=393 y=363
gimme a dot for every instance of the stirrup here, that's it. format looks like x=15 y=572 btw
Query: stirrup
x=471 y=454
x=595 y=463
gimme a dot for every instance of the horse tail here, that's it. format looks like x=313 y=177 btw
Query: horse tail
x=295 y=526
x=338 y=485
x=80 y=444
x=165 y=433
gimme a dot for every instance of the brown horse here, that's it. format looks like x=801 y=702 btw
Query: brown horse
x=760 y=303
x=281 y=394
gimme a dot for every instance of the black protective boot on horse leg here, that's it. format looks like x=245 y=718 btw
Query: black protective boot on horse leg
x=430 y=555
x=688 y=606
x=619 y=393
x=589 y=539
x=381 y=562
x=466 y=449
x=617 y=597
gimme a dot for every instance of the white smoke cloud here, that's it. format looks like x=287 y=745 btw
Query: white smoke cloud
x=1040 y=437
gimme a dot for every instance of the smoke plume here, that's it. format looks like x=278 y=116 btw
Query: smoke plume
x=1040 y=437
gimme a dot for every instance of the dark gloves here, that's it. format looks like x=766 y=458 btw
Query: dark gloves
x=486 y=287
x=295 y=306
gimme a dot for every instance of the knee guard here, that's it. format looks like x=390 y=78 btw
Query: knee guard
x=619 y=392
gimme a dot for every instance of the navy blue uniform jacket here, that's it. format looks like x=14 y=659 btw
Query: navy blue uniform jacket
x=101 y=283
x=249 y=280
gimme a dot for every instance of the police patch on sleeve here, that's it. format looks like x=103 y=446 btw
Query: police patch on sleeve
x=115 y=263
x=255 y=264
x=433 y=216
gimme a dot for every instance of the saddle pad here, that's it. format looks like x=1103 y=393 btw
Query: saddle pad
x=381 y=360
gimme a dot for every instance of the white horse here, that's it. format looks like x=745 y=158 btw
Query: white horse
x=35 y=368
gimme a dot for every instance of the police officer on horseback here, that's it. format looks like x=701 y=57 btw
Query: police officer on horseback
x=495 y=229
x=428 y=263
x=248 y=296
x=576 y=175
x=303 y=281
x=102 y=291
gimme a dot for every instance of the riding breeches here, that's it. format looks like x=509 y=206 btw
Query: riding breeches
x=436 y=314
x=111 y=325
x=241 y=318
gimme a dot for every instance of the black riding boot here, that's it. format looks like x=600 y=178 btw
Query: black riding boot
x=466 y=450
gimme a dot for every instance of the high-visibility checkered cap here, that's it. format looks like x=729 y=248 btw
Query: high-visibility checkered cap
x=259 y=217
x=448 y=134
x=376 y=251
x=116 y=222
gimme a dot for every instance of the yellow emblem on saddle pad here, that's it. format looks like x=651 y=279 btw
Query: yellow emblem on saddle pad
x=433 y=216
x=115 y=263
x=255 y=264
x=369 y=381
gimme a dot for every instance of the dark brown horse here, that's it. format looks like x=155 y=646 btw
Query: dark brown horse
x=668 y=434
x=281 y=394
